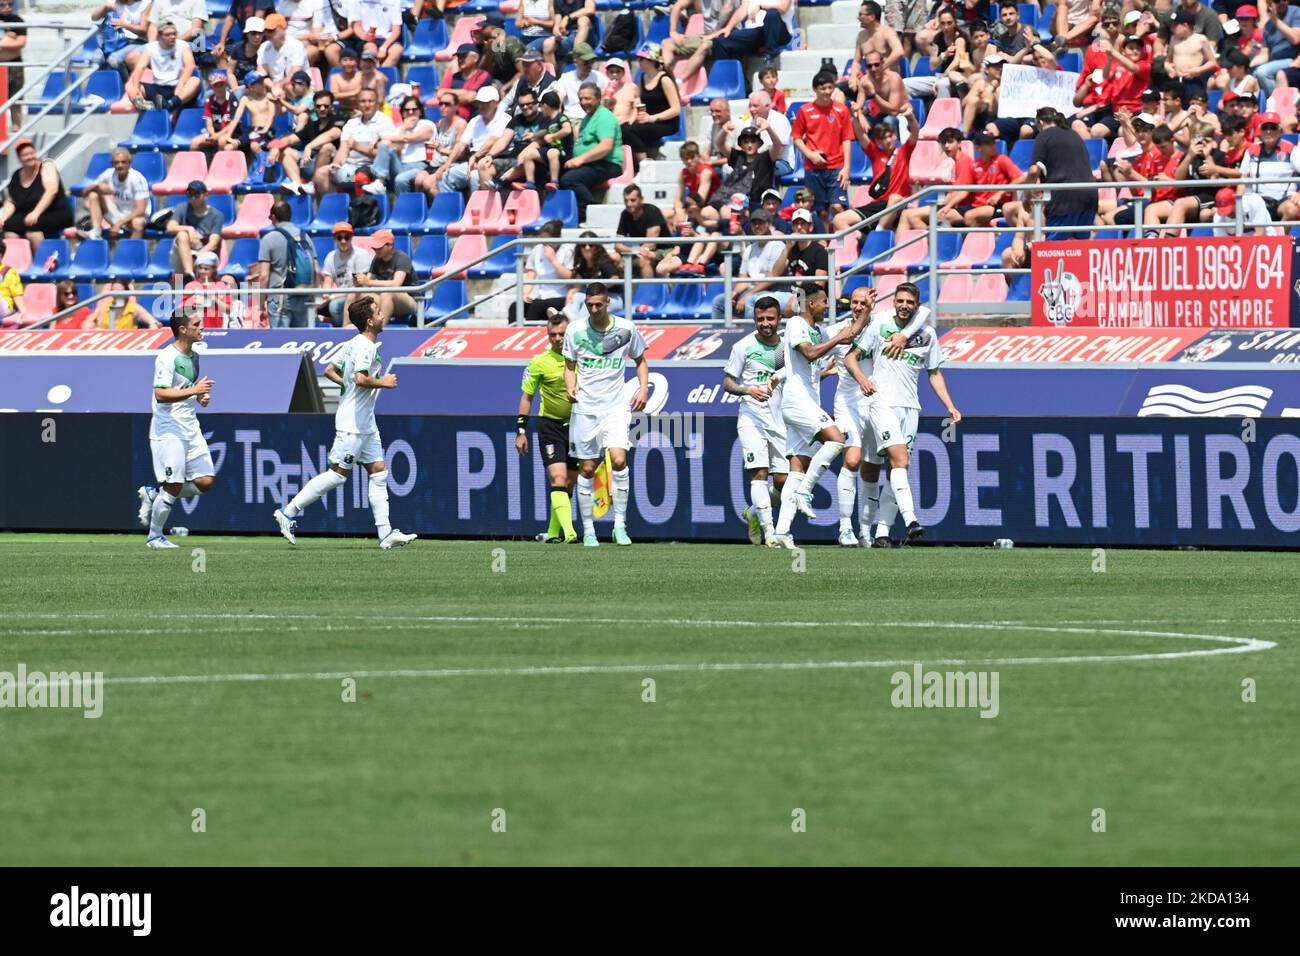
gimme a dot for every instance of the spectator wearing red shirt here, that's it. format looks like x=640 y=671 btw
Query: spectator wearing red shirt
x=206 y=294
x=1165 y=159
x=1129 y=75
x=893 y=182
x=991 y=168
x=1158 y=160
x=697 y=175
x=823 y=133
x=465 y=79
x=953 y=208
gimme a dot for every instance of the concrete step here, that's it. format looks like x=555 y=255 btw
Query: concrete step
x=794 y=79
x=842 y=11
x=603 y=217
x=659 y=171
x=659 y=193
x=811 y=59
x=831 y=36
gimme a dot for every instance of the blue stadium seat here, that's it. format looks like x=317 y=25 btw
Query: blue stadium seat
x=283 y=124
x=445 y=209
x=1018 y=288
x=391 y=73
x=409 y=213
x=859 y=166
x=52 y=90
x=429 y=37
x=855 y=282
x=49 y=247
x=649 y=299
x=685 y=300
x=1215 y=97
x=106 y=84
x=1022 y=153
x=130 y=260
x=796 y=176
x=301 y=206
x=1071 y=61
x=658 y=31
x=918 y=107
x=501 y=262
x=562 y=204
x=160 y=268
x=188 y=125
x=923 y=67
x=877 y=244
x=152 y=166
x=445 y=298
x=1096 y=152
x=243 y=253
x=90 y=53
x=323 y=245
x=426 y=76
x=151 y=131
x=267 y=182
x=333 y=208
x=430 y=253
x=90 y=261
x=402 y=244
x=98 y=163
x=726 y=79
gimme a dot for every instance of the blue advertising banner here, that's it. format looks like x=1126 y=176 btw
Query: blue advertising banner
x=1273 y=346
x=1154 y=482
x=320 y=344
x=994 y=390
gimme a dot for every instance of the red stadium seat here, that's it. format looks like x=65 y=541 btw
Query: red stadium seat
x=628 y=176
x=253 y=216
x=847 y=252
x=957 y=288
x=930 y=165
x=945 y=112
x=38 y=302
x=692 y=85
x=885 y=286
x=483 y=208
x=990 y=287
x=463 y=251
x=1283 y=101
x=695 y=25
x=976 y=249
x=463 y=32
x=521 y=210
x=229 y=169
x=908 y=255
x=186 y=167
x=18 y=255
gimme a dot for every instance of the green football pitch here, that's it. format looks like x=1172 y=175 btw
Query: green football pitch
x=517 y=703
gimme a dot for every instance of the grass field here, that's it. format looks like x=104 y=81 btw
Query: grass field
x=522 y=689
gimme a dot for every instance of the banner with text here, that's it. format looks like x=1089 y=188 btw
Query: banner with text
x=1082 y=346
x=1027 y=89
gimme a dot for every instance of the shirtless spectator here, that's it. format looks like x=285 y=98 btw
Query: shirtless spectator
x=1190 y=57
x=346 y=83
x=250 y=130
x=371 y=78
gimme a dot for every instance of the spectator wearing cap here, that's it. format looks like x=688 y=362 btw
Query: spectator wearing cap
x=1190 y=57
x=175 y=81
x=1136 y=132
x=983 y=106
x=206 y=294
x=464 y=81
x=118 y=200
x=757 y=265
x=242 y=58
x=346 y=83
x=619 y=93
x=823 y=132
x=499 y=50
x=597 y=150
x=771 y=201
x=371 y=77
x=641 y=220
x=315 y=143
x=461 y=171
x=380 y=22
x=250 y=128
x=1242 y=34
x=1281 y=42
x=584 y=71
x=1204 y=20
x=280 y=56
x=296 y=99
x=390 y=268
x=342 y=265
x=756 y=26
x=750 y=169
x=218 y=113
x=195 y=226
x=126 y=30
x=657 y=116
x=891 y=166
x=272 y=268
x=1270 y=157
x=800 y=257
x=359 y=145
x=1236 y=77
x=532 y=76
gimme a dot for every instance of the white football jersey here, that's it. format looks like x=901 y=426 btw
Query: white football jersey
x=896 y=379
x=753 y=363
x=174 y=369
x=356 y=411
x=599 y=357
x=802 y=377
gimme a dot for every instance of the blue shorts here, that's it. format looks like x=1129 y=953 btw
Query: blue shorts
x=826 y=188
x=1082 y=218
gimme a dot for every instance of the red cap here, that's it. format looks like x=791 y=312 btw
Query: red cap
x=382 y=237
x=1225 y=200
x=1228 y=96
x=1266 y=118
x=1246 y=10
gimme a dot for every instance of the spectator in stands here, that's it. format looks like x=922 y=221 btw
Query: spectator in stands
x=206 y=294
x=691 y=258
x=771 y=200
x=12 y=42
x=175 y=81
x=250 y=129
x=715 y=133
x=990 y=168
x=372 y=78
x=548 y=261
x=799 y=257
x=1198 y=111
x=124 y=312
x=125 y=33
x=1236 y=75
x=11 y=292
x=1163 y=164
x=464 y=81
x=499 y=51
x=982 y=107
x=196 y=227
x=1060 y=157
x=1205 y=160
x=334 y=20
x=768 y=77
x=1269 y=158
x=874 y=37
x=461 y=171
x=1013 y=39
x=189 y=17
x=597 y=151
x=881 y=93
x=526 y=128
x=619 y=95
x=641 y=220
x=359 y=144
x=1242 y=34
x=296 y=99
x=1190 y=57
x=949 y=61
x=390 y=268
x=774 y=132
x=573 y=24
x=118 y=200
x=380 y=22
x=954 y=206
x=532 y=77
x=658 y=109
x=218 y=113
x=697 y=176
x=757 y=264
x=1074 y=21
x=535 y=21
x=584 y=71
x=750 y=170
x=823 y=132
x=695 y=49
x=342 y=265
x=67 y=297
x=1282 y=40
x=549 y=147
x=316 y=143
x=36 y=205
x=280 y=56
x=1125 y=77
x=891 y=166
x=404 y=150
x=756 y=26
x=310 y=25
x=272 y=266
x=1135 y=163
x=346 y=83
x=241 y=60
x=907 y=17
x=1205 y=21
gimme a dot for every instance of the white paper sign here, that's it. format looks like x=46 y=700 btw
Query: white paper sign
x=1027 y=89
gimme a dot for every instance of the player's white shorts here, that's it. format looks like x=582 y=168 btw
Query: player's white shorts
x=803 y=421
x=893 y=426
x=762 y=445
x=854 y=420
x=590 y=435
x=177 y=459
x=352 y=448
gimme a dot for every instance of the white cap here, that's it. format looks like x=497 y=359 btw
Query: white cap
x=801 y=214
x=254 y=25
x=616 y=61
x=1133 y=16
x=1146 y=118
x=993 y=59
x=487 y=94
x=399 y=91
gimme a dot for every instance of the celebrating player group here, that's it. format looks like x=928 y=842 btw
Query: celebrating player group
x=787 y=439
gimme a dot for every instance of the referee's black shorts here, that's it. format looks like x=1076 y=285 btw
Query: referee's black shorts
x=553 y=437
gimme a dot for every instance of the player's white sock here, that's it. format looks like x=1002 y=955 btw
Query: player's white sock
x=903 y=493
x=786 y=516
x=189 y=490
x=162 y=509
x=761 y=499
x=774 y=495
x=870 y=504
x=313 y=491
x=848 y=488
x=587 y=504
x=621 y=481
x=820 y=462
x=379 y=503
x=888 y=510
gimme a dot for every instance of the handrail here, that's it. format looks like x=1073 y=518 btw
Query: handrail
x=64 y=60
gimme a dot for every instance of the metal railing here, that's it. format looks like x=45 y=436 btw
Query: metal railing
x=66 y=99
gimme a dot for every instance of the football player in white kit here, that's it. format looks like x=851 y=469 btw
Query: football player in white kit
x=893 y=413
x=356 y=438
x=751 y=373
x=182 y=463
x=852 y=415
x=594 y=352
x=806 y=345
